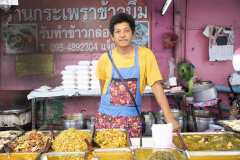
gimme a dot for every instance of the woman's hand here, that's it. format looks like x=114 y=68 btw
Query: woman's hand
x=176 y=126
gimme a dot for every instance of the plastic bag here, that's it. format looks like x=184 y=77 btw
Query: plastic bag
x=171 y=67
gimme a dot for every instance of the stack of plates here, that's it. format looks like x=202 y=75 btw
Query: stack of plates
x=69 y=77
x=94 y=80
x=83 y=74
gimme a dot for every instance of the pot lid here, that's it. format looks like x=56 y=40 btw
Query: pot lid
x=74 y=116
x=14 y=109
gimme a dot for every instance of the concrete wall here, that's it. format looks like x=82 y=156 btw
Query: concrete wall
x=199 y=14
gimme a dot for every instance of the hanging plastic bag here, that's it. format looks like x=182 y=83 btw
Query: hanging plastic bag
x=171 y=67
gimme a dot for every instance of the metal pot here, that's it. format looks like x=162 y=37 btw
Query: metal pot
x=75 y=120
x=21 y=115
x=177 y=115
x=204 y=92
x=149 y=121
x=90 y=122
x=202 y=123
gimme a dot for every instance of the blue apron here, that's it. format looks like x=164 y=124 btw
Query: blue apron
x=128 y=74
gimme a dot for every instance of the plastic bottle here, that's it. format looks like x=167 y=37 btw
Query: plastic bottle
x=162 y=135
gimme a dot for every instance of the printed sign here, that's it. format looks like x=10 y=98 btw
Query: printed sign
x=76 y=27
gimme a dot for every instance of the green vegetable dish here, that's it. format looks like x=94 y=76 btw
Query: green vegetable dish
x=209 y=142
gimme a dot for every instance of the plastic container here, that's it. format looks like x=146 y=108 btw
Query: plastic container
x=162 y=136
x=212 y=127
x=84 y=63
x=94 y=62
x=170 y=39
x=70 y=68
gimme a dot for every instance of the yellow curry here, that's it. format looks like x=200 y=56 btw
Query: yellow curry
x=228 y=157
x=66 y=157
x=118 y=155
x=22 y=156
x=209 y=142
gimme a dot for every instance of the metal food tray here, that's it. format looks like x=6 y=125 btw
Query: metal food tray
x=2 y=148
x=129 y=144
x=17 y=153
x=85 y=130
x=227 y=128
x=43 y=132
x=179 y=156
x=213 y=153
x=112 y=150
x=44 y=155
x=210 y=152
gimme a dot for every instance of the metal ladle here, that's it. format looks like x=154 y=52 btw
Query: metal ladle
x=94 y=135
x=91 y=150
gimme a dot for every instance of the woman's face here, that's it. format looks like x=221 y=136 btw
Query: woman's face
x=123 y=34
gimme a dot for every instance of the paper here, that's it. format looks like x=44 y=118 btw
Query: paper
x=220 y=53
x=206 y=31
x=9 y=2
x=220 y=47
x=146 y=142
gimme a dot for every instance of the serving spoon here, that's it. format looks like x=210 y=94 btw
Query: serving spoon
x=91 y=150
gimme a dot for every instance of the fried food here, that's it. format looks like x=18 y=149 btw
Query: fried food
x=71 y=140
x=34 y=141
x=111 y=139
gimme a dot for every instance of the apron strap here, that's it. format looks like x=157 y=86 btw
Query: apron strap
x=125 y=85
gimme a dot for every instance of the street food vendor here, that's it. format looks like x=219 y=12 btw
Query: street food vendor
x=138 y=67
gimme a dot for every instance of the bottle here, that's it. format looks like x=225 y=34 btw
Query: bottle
x=162 y=135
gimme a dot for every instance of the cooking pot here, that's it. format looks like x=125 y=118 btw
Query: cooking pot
x=149 y=121
x=203 y=119
x=177 y=115
x=21 y=115
x=204 y=92
x=75 y=120
x=90 y=122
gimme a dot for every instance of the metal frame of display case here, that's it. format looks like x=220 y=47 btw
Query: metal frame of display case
x=176 y=96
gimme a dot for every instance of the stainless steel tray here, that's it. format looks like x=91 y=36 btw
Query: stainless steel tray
x=85 y=130
x=211 y=133
x=112 y=150
x=129 y=144
x=44 y=132
x=177 y=154
x=17 y=153
x=226 y=127
x=213 y=153
x=44 y=155
x=20 y=134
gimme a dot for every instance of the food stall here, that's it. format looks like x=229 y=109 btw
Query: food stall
x=53 y=43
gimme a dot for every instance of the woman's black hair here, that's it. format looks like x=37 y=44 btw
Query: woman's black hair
x=119 y=18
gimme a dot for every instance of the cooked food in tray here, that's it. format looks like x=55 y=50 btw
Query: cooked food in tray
x=157 y=154
x=208 y=142
x=111 y=138
x=110 y=155
x=19 y=156
x=7 y=136
x=66 y=157
x=34 y=141
x=71 y=140
x=234 y=124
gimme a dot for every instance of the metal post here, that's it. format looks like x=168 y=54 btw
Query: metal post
x=44 y=112
x=33 y=113
x=194 y=118
x=220 y=108
x=177 y=51
x=184 y=114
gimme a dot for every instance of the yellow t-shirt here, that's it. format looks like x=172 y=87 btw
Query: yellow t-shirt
x=149 y=71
